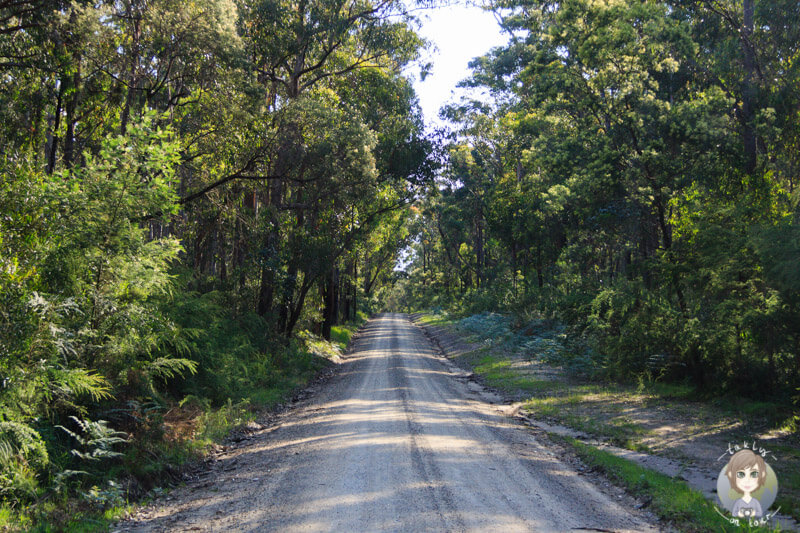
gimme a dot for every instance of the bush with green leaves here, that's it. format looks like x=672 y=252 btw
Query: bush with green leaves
x=23 y=458
x=83 y=288
x=80 y=273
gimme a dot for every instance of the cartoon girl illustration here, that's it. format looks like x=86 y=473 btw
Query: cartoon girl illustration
x=747 y=473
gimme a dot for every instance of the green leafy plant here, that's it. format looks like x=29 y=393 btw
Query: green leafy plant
x=95 y=439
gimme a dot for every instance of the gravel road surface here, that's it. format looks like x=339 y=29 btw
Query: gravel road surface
x=398 y=440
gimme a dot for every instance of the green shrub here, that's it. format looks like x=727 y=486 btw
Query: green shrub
x=23 y=456
x=25 y=442
x=17 y=479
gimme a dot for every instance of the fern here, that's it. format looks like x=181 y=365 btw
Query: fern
x=17 y=479
x=169 y=367
x=96 y=439
x=59 y=482
x=24 y=442
x=22 y=452
x=78 y=382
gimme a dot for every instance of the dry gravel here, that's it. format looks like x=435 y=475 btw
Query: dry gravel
x=398 y=440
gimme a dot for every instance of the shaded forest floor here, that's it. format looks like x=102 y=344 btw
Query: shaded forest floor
x=659 y=426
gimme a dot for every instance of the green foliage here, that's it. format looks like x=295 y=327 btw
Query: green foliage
x=216 y=424
x=230 y=355
x=169 y=367
x=636 y=329
x=609 y=185
x=95 y=439
x=18 y=480
x=25 y=442
x=670 y=499
x=23 y=457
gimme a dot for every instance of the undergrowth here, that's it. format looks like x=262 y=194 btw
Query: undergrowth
x=578 y=395
x=82 y=473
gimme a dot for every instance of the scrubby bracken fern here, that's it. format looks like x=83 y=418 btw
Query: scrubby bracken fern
x=22 y=457
x=95 y=439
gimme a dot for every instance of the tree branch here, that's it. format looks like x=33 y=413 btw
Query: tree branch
x=222 y=181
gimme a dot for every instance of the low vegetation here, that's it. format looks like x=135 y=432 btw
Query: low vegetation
x=672 y=501
x=85 y=475
x=530 y=362
x=194 y=198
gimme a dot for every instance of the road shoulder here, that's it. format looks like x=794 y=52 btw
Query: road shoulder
x=680 y=440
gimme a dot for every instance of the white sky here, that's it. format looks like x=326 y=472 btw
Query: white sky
x=460 y=33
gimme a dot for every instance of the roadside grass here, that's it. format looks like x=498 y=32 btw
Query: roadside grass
x=773 y=415
x=73 y=517
x=671 y=500
x=434 y=319
x=788 y=499
x=591 y=408
x=498 y=373
x=568 y=410
x=603 y=409
x=342 y=334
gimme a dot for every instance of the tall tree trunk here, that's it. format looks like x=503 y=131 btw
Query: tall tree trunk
x=354 y=288
x=265 y=291
x=287 y=297
x=748 y=89
x=237 y=259
x=71 y=107
x=297 y=308
x=51 y=163
x=329 y=303
x=133 y=75
x=287 y=155
x=480 y=257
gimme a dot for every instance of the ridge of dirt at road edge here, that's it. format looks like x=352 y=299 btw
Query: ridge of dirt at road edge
x=451 y=346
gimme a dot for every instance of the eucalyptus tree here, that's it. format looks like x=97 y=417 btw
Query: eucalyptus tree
x=300 y=50
x=647 y=154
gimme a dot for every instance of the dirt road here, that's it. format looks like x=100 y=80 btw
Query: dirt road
x=398 y=440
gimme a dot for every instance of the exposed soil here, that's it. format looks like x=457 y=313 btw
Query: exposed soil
x=685 y=440
x=399 y=439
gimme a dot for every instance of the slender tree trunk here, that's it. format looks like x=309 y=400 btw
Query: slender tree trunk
x=354 y=287
x=297 y=308
x=51 y=164
x=514 y=266
x=748 y=89
x=287 y=155
x=479 y=250
x=337 y=296
x=329 y=303
x=287 y=296
x=237 y=255
x=71 y=107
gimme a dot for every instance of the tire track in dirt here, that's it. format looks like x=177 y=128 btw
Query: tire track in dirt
x=393 y=442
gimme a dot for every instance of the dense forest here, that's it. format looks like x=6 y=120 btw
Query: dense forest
x=191 y=192
x=635 y=176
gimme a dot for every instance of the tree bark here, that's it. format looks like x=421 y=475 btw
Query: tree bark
x=329 y=303
x=51 y=163
x=748 y=90
x=71 y=107
x=133 y=76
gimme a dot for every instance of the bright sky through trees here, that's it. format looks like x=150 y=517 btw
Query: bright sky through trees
x=459 y=33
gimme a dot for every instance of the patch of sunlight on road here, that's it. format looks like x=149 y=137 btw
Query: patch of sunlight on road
x=364 y=497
